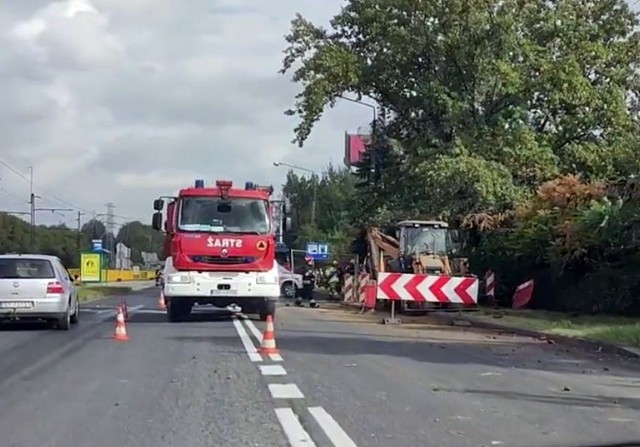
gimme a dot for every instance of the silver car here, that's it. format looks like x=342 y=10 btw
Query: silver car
x=37 y=287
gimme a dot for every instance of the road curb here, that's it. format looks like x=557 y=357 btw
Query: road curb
x=607 y=348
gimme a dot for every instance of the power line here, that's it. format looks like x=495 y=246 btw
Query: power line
x=48 y=193
x=44 y=194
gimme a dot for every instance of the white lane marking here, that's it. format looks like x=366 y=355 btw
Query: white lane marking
x=252 y=352
x=272 y=370
x=254 y=330
x=285 y=391
x=334 y=432
x=296 y=434
x=258 y=335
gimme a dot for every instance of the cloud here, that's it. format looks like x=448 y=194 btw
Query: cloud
x=125 y=100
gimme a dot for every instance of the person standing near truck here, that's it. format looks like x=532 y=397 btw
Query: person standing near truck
x=308 y=286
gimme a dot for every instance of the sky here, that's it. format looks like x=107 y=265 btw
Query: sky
x=125 y=100
x=122 y=101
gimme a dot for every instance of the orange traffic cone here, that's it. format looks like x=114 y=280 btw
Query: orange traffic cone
x=268 y=345
x=120 y=333
x=161 y=304
x=125 y=311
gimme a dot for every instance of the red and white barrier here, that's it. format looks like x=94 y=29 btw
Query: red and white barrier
x=522 y=295
x=363 y=277
x=348 y=288
x=490 y=284
x=427 y=288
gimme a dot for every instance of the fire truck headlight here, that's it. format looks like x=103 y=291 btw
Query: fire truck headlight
x=263 y=278
x=178 y=279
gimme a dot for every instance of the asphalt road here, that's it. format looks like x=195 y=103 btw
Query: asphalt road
x=341 y=380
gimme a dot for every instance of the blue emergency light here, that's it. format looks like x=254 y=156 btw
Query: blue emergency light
x=199 y=183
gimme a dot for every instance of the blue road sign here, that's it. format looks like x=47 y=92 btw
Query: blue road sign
x=96 y=244
x=319 y=251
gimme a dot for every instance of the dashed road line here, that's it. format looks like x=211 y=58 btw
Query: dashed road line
x=285 y=391
x=289 y=420
x=272 y=370
x=332 y=429
x=252 y=352
x=295 y=433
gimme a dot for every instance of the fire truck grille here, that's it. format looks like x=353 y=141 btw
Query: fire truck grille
x=229 y=260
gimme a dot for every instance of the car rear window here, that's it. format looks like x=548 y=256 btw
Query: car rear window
x=26 y=268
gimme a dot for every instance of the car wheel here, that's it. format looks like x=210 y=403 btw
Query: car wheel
x=64 y=323
x=288 y=290
x=76 y=315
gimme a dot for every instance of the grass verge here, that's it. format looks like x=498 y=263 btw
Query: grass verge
x=90 y=292
x=618 y=330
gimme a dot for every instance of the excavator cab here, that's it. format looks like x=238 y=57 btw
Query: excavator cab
x=424 y=246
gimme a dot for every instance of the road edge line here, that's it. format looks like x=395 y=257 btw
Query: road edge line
x=335 y=433
x=249 y=347
x=293 y=429
x=253 y=328
x=258 y=335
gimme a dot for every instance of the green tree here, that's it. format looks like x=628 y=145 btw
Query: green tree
x=334 y=190
x=15 y=237
x=489 y=98
x=140 y=238
x=67 y=244
x=94 y=229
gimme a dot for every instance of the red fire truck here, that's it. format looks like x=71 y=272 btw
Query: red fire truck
x=220 y=248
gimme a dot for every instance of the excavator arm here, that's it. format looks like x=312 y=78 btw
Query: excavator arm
x=380 y=244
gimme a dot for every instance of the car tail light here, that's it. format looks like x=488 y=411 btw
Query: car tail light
x=55 y=288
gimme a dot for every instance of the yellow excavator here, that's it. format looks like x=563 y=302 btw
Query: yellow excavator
x=418 y=246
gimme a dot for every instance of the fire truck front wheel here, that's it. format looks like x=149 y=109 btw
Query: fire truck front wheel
x=177 y=311
x=267 y=308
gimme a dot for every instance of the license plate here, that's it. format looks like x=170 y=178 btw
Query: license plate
x=223 y=274
x=16 y=304
x=223 y=292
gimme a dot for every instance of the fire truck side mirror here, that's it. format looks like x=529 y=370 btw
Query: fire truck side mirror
x=158 y=204
x=156 y=221
x=287 y=207
x=286 y=223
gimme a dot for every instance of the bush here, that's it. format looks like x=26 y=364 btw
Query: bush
x=578 y=242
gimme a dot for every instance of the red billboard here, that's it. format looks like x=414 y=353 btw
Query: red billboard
x=354 y=147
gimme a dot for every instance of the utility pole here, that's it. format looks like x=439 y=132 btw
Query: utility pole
x=32 y=209
x=110 y=224
x=79 y=221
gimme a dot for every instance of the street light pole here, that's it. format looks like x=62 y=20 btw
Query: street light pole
x=374 y=123
x=374 y=110
x=314 y=200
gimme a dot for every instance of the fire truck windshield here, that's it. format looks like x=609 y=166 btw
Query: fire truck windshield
x=215 y=215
